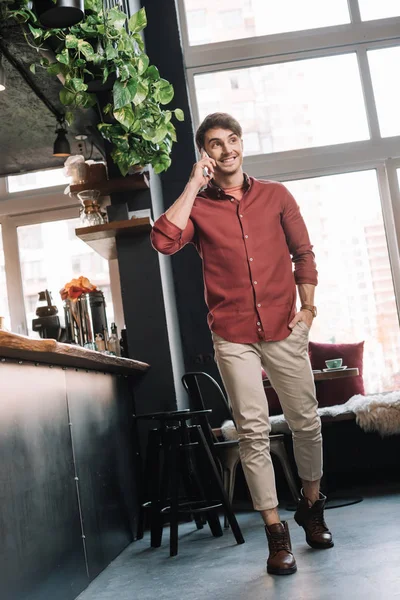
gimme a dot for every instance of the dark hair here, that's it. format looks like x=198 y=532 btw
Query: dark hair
x=214 y=120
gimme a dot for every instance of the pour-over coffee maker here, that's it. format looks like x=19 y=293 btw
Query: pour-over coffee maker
x=48 y=322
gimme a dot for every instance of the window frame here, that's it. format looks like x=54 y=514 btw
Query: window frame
x=50 y=206
x=380 y=153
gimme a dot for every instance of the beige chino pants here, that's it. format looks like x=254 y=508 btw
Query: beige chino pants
x=288 y=366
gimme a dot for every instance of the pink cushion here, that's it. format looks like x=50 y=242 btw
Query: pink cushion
x=338 y=391
x=330 y=392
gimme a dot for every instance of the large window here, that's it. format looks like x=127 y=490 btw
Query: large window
x=314 y=87
x=379 y=9
x=50 y=257
x=4 y=311
x=355 y=294
x=36 y=180
x=383 y=64
x=289 y=105
x=235 y=19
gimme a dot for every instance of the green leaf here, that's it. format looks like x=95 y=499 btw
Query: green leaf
x=132 y=86
x=125 y=71
x=94 y=5
x=121 y=94
x=143 y=63
x=44 y=62
x=32 y=68
x=78 y=84
x=161 y=163
x=111 y=52
x=71 y=41
x=165 y=91
x=105 y=74
x=152 y=73
x=141 y=94
x=116 y=18
x=107 y=109
x=171 y=131
x=36 y=32
x=138 y=21
x=179 y=114
x=138 y=39
x=86 y=49
x=63 y=57
x=125 y=116
x=54 y=68
x=67 y=97
x=69 y=117
x=160 y=134
x=85 y=100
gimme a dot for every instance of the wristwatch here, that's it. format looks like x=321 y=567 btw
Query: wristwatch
x=312 y=309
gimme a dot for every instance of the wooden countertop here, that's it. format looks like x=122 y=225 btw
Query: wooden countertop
x=48 y=351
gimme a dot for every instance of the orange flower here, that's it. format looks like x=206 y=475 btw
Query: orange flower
x=76 y=287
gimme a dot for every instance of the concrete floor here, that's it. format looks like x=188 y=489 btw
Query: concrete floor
x=363 y=565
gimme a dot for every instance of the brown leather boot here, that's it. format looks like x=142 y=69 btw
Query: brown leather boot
x=281 y=560
x=311 y=518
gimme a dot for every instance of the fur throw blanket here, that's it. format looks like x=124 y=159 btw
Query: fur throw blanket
x=378 y=412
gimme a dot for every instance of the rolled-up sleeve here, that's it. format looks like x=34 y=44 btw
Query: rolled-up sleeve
x=298 y=241
x=168 y=238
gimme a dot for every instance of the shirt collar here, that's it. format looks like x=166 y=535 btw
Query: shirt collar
x=211 y=190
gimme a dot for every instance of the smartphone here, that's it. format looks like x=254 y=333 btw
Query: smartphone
x=206 y=172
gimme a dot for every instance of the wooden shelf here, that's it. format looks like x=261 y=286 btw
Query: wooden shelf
x=139 y=181
x=102 y=237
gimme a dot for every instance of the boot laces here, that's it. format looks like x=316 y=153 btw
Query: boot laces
x=279 y=542
x=318 y=522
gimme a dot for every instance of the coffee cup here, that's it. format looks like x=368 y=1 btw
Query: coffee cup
x=334 y=363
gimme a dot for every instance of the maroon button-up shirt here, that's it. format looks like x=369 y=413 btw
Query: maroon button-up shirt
x=247 y=248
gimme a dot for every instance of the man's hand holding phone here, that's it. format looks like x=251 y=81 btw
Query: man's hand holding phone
x=203 y=171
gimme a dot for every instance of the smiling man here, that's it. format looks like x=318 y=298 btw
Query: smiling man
x=249 y=233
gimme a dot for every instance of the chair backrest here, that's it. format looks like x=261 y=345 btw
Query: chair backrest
x=205 y=392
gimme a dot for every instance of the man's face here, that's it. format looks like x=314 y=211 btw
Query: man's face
x=226 y=148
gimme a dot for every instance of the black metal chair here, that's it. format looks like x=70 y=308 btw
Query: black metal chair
x=227 y=452
x=179 y=458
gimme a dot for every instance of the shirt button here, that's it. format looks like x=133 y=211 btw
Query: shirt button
x=231 y=199
x=250 y=259
x=258 y=305
x=259 y=329
x=255 y=282
x=246 y=236
x=258 y=323
x=241 y=216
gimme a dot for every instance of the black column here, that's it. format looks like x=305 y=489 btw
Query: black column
x=164 y=49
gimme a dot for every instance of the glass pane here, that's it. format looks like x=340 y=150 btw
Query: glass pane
x=355 y=294
x=51 y=255
x=4 y=311
x=384 y=64
x=372 y=9
x=210 y=21
x=34 y=181
x=289 y=105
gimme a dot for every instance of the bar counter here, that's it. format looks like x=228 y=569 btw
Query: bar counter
x=68 y=497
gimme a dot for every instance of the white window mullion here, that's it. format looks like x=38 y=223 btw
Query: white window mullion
x=354 y=11
x=393 y=186
x=13 y=277
x=390 y=197
x=368 y=90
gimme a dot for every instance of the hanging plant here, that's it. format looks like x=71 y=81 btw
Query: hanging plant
x=106 y=50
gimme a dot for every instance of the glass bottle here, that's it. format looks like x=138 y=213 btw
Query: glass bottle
x=113 y=341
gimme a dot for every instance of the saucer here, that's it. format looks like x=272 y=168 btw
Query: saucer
x=336 y=369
